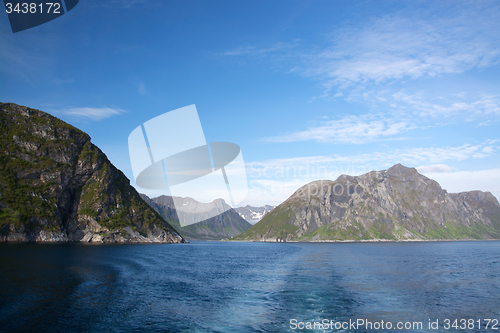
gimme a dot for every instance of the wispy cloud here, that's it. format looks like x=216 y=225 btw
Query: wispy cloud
x=431 y=159
x=350 y=129
x=409 y=44
x=142 y=89
x=404 y=46
x=435 y=168
x=459 y=181
x=254 y=50
x=394 y=48
x=482 y=105
x=94 y=114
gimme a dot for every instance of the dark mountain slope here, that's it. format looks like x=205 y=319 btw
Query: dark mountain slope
x=55 y=185
x=225 y=225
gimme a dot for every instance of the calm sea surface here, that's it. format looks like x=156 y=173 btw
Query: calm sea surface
x=248 y=287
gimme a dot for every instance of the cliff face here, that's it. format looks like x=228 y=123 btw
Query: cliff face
x=55 y=185
x=395 y=204
x=225 y=225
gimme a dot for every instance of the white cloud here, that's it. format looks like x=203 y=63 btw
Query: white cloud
x=460 y=181
x=432 y=155
x=434 y=168
x=351 y=129
x=488 y=150
x=142 y=89
x=402 y=45
x=418 y=109
x=462 y=104
x=329 y=167
x=412 y=43
x=95 y=114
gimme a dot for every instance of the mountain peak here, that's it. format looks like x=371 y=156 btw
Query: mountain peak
x=399 y=169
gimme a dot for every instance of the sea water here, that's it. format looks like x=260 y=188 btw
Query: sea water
x=250 y=287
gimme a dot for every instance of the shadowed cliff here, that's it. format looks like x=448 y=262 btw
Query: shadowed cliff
x=55 y=185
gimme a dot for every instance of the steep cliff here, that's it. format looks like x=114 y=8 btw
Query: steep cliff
x=55 y=185
x=225 y=225
x=394 y=204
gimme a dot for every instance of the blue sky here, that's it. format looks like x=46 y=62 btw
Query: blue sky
x=308 y=89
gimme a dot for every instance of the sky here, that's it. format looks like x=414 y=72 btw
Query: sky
x=308 y=89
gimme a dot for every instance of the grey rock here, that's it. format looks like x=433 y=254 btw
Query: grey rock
x=394 y=204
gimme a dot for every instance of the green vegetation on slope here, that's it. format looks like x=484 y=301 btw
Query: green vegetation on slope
x=332 y=232
x=25 y=151
x=53 y=178
x=454 y=231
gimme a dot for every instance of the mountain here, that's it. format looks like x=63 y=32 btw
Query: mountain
x=394 y=204
x=55 y=185
x=253 y=214
x=225 y=225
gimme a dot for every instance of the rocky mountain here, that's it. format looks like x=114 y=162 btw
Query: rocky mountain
x=394 y=204
x=225 y=225
x=253 y=214
x=55 y=185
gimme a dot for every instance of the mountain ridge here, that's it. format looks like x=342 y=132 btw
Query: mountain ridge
x=393 y=204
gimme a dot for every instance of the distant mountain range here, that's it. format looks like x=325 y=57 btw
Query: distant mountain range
x=225 y=225
x=253 y=214
x=394 y=204
x=55 y=185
